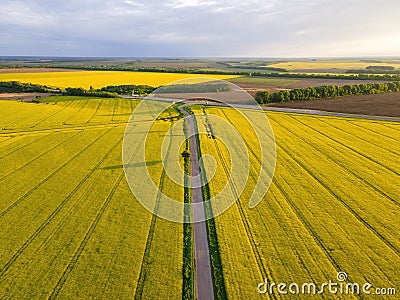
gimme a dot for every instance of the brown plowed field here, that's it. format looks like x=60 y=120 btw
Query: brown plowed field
x=25 y=97
x=298 y=83
x=275 y=85
x=377 y=105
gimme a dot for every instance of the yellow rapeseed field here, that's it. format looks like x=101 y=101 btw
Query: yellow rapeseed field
x=331 y=64
x=67 y=215
x=69 y=223
x=333 y=205
x=98 y=79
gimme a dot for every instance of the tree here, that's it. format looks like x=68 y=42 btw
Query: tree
x=185 y=154
x=263 y=97
x=328 y=91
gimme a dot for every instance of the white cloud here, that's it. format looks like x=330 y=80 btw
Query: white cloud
x=135 y=3
x=200 y=28
x=18 y=13
x=190 y=3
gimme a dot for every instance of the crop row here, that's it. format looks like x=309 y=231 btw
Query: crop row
x=28 y=116
x=162 y=263
x=48 y=209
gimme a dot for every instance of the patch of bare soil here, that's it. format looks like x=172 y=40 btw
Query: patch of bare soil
x=330 y=70
x=24 y=97
x=314 y=82
x=387 y=104
x=252 y=88
x=301 y=83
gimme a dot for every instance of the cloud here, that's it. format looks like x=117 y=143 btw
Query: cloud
x=135 y=3
x=190 y=3
x=199 y=28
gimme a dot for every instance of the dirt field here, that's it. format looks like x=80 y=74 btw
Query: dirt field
x=24 y=97
x=331 y=70
x=314 y=82
x=34 y=70
x=254 y=84
x=376 y=105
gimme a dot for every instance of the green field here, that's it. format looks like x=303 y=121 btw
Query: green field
x=71 y=228
x=279 y=82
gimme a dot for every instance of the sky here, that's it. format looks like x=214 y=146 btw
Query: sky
x=194 y=28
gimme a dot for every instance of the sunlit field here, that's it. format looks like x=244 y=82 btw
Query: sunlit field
x=333 y=204
x=333 y=64
x=69 y=223
x=98 y=79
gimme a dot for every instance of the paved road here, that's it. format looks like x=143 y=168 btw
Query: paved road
x=330 y=113
x=204 y=285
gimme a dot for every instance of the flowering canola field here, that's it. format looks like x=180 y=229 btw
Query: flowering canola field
x=98 y=79
x=71 y=228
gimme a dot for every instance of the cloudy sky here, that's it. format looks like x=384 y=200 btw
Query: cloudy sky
x=186 y=28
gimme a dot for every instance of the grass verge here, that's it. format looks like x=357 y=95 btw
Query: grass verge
x=188 y=259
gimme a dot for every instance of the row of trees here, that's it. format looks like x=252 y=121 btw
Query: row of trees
x=89 y=93
x=329 y=91
x=105 y=92
x=131 y=89
x=20 y=87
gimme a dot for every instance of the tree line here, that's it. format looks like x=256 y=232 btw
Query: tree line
x=88 y=93
x=129 y=89
x=20 y=87
x=105 y=92
x=111 y=91
x=327 y=91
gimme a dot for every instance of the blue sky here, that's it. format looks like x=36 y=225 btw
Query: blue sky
x=185 y=28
